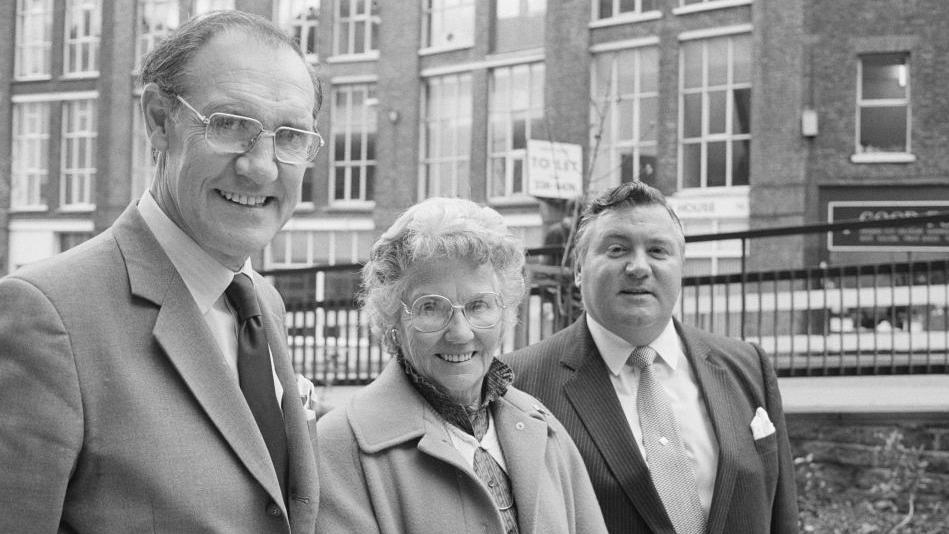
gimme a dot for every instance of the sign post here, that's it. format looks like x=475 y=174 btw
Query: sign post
x=554 y=170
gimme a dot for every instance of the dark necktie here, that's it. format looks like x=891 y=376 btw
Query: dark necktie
x=669 y=468
x=255 y=374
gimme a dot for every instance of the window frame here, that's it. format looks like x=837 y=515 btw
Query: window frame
x=612 y=119
x=73 y=66
x=860 y=155
x=633 y=15
x=72 y=177
x=460 y=156
x=510 y=155
x=26 y=42
x=728 y=137
x=35 y=143
x=368 y=124
x=370 y=22
x=146 y=41
x=283 y=11
x=437 y=10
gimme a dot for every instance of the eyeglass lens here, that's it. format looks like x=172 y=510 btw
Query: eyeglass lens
x=238 y=134
x=433 y=312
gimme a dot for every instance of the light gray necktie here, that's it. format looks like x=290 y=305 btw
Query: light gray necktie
x=669 y=467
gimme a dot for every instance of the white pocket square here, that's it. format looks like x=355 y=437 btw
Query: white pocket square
x=761 y=426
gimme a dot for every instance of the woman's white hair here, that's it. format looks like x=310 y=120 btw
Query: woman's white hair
x=435 y=229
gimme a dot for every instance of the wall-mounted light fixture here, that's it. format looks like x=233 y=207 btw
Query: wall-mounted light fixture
x=809 y=122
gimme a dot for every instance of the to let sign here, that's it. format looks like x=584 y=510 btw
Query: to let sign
x=554 y=170
x=924 y=237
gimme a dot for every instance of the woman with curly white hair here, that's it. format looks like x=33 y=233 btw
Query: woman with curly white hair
x=440 y=442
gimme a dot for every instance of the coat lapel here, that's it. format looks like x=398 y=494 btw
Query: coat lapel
x=183 y=335
x=522 y=432
x=303 y=486
x=593 y=396
x=713 y=381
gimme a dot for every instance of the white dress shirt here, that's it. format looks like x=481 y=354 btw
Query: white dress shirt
x=674 y=374
x=206 y=279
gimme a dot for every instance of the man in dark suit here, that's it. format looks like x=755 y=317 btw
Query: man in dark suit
x=681 y=431
x=145 y=383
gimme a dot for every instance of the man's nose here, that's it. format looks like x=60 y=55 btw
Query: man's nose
x=259 y=164
x=638 y=264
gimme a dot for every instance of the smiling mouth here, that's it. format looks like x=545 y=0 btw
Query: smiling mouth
x=457 y=358
x=243 y=200
x=635 y=292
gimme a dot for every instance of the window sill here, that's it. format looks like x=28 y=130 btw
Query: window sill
x=709 y=6
x=351 y=206
x=432 y=50
x=304 y=207
x=77 y=208
x=354 y=58
x=80 y=75
x=627 y=18
x=33 y=78
x=29 y=209
x=883 y=157
x=517 y=199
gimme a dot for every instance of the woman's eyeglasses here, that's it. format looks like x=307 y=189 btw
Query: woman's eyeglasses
x=431 y=313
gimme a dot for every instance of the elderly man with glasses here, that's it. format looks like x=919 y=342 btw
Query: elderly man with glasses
x=145 y=384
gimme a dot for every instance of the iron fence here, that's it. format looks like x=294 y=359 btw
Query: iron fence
x=890 y=318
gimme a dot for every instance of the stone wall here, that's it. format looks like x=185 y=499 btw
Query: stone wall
x=867 y=467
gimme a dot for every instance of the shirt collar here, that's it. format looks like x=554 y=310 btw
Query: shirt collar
x=615 y=350
x=205 y=277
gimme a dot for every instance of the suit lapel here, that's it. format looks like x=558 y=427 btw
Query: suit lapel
x=593 y=396
x=183 y=335
x=713 y=381
x=523 y=441
x=303 y=487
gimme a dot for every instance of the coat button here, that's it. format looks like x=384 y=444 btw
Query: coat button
x=273 y=510
x=519 y=425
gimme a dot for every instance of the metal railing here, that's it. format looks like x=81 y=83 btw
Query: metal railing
x=890 y=318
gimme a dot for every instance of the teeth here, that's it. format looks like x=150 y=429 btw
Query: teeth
x=245 y=200
x=457 y=358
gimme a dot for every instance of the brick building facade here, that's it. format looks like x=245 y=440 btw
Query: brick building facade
x=747 y=113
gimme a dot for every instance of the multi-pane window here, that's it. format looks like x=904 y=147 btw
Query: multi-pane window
x=29 y=155
x=448 y=23
x=78 y=169
x=354 y=142
x=516 y=114
x=883 y=115
x=625 y=111
x=357 y=27
x=519 y=24
x=301 y=19
x=715 y=112
x=143 y=165
x=156 y=19
x=604 y=9
x=33 y=38
x=446 y=136
x=205 y=6
x=81 y=43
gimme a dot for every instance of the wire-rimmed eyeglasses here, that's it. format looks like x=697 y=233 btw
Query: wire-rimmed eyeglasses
x=236 y=134
x=431 y=313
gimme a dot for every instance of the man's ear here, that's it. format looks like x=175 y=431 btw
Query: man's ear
x=157 y=106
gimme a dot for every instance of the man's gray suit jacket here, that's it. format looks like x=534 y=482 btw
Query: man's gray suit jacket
x=118 y=412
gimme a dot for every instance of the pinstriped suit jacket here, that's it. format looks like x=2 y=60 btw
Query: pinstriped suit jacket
x=754 y=487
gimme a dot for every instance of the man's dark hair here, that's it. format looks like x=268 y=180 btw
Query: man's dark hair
x=167 y=64
x=625 y=195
